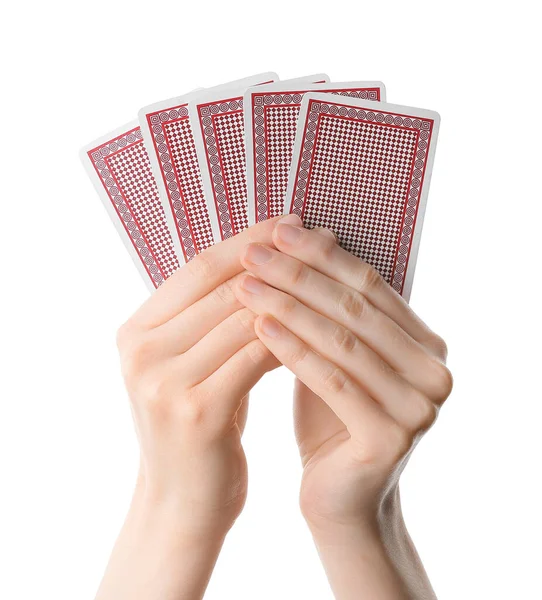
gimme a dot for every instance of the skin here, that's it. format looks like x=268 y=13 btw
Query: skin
x=370 y=381
x=189 y=356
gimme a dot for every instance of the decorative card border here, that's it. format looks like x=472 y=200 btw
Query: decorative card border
x=261 y=102
x=206 y=114
x=424 y=128
x=99 y=158
x=156 y=123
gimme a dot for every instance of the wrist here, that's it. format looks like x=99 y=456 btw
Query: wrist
x=359 y=562
x=371 y=555
x=176 y=518
x=374 y=523
x=160 y=552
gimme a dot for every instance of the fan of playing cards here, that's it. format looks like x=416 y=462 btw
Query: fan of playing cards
x=199 y=168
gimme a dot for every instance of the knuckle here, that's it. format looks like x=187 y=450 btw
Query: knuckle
x=299 y=354
x=427 y=413
x=335 y=380
x=154 y=394
x=191 y=410
x=369 y=278
x=137 y=356
x=288 y=304
x=245 y=319
x=257 y=352
x=203 y=265
x=400 y=442
x=438 y=347
x=224 y=293
x=299 y=273
x=444 y=381
x=344 y=340
x=352 y=305
x=327 y=246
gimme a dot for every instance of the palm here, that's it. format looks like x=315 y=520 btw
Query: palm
x=331 y=465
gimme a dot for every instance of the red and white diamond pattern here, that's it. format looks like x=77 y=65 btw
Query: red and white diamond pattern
x=274 y=119
x=183 y=152
x=281 y=124
x=230 y=137
x=359 y=186
x=132 y=170
x=360 y=173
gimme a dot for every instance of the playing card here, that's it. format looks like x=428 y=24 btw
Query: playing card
x=316 y=78
x=362 y=169
x=217 y=124
x=170 y=144
x=119 y=168
x=270 y=115
x=169 y=140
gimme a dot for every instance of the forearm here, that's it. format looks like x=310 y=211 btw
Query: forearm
x=375 y=560
x=156 y=558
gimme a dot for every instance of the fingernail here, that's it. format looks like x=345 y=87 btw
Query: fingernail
x=288 y=234
x=258 y=254
x=270 y=327
x=327 y=232
x=253 y=285
x=291 y=219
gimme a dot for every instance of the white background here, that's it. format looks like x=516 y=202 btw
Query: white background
x=72 y=71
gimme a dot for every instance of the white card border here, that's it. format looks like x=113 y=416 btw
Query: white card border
x=106 y=200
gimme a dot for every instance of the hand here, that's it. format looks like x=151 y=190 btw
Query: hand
x=189 y=357
x=371 y=374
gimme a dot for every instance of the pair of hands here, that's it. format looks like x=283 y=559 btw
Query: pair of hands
x=370 y=378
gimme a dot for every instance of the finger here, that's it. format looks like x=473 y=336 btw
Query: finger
x=350 y=309
x=235 y=378
x=326 y=233
x=219 y=345
x=360 y=414
x=202 y=274
x=188 y=327
x=321 y=253
x=404 y=403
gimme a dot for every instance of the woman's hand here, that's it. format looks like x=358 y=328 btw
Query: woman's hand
x=189 y=357
x=371 y=380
